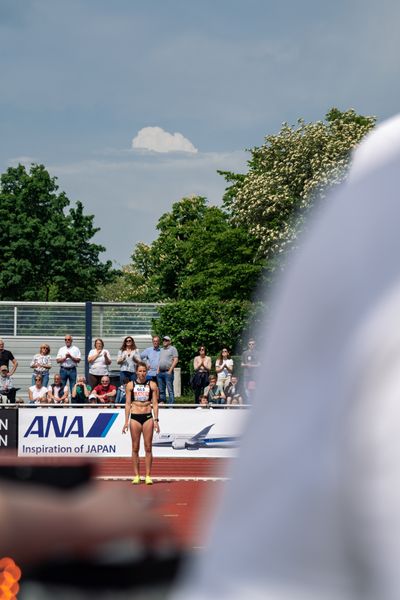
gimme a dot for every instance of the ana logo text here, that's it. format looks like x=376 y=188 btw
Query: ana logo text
x=63 y=427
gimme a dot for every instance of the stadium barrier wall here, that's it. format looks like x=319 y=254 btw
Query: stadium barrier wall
x=8 y=429
x=97 y=432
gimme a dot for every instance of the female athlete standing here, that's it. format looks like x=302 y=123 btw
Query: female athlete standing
x=141 y=398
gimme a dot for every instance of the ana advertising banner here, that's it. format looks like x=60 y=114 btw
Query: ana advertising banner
x=72 y=432
x=199 y=432
x=8 y=428
x=98 y=432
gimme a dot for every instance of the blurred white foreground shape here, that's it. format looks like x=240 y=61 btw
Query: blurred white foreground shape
x=313 y=509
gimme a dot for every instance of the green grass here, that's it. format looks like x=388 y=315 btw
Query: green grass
x=186 y=398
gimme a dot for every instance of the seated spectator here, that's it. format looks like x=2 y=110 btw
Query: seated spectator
x=6 y=357
x=214 y=393
x=41 y=364
x=38 y=393
x=57 y=392
x=104 y=393
x=223 y=368
x=233 y=391
x=121 y=392
x=202 y=368
x=203 y=403
x=236 y=401
x=99 y=360
x=7 y=387
x=81 y=391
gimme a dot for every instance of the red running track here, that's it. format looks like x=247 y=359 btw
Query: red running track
x=188 y=504
x=193 y=468
x=185 y=506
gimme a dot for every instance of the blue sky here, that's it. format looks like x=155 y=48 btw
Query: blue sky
x=193 y=83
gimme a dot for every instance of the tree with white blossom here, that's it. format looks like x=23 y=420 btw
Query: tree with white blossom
x=288 y=173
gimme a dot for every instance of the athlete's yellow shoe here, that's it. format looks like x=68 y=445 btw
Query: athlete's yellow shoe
x=136 y=480
x=148 y=480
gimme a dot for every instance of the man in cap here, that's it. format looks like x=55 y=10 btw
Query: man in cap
x=7 y=384
x=165 y=375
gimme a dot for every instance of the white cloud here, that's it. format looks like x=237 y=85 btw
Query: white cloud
x=158 y=140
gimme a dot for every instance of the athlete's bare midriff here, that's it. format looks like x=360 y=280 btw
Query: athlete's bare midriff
x=139 y=408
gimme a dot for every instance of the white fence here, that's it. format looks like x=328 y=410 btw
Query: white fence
x=24 y=326
x=53 y=319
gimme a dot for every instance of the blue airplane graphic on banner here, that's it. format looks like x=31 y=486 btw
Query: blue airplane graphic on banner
x=195 y=442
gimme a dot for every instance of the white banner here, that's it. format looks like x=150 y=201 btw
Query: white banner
x=72 y=432
x=98 y=432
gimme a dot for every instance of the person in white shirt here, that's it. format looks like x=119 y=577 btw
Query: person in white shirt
x=41 y=364
x=99 y=360
x=68 y=357
x=38 y=392
x=223 y=368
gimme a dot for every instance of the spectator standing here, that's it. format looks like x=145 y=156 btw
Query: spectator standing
x=128 y=359
x=57 y=393
x=81 y=391
x=99 y=360
x=38 y=392
x=41 y=364
x=165 y=376
x=104 y=393
x=250 y=364
x=68 y=358
x=223 y=368
x=7 y=384
x=202 y=368
x=151 y=356
x=6 y=357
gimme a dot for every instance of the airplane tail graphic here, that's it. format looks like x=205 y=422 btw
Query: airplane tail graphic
x=201 y=434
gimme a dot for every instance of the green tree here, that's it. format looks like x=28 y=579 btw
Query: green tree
x=288 y=172
x=127 y=285
x=46 y=252
x=209 y=321
x=198 y=254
